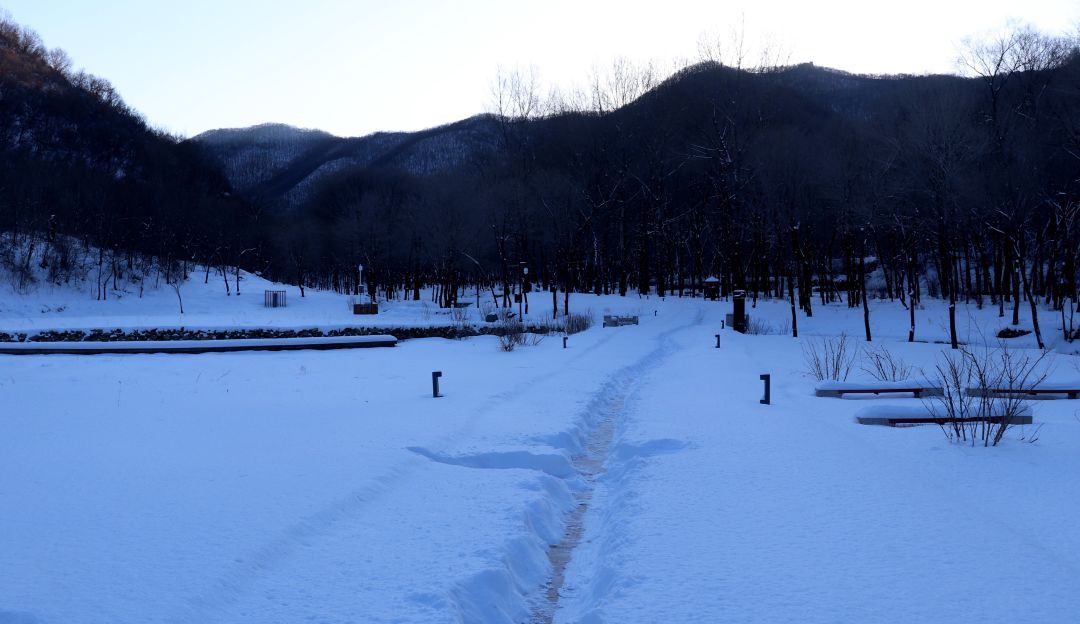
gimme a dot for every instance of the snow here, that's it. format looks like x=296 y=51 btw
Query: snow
x=206 y=307
x=330 y=486
x=717 y=508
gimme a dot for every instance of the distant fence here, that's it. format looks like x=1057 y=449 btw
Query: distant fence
x=274 y=298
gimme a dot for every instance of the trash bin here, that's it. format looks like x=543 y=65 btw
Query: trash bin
x=738 y=311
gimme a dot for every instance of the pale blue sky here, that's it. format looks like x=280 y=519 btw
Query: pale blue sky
x=356 y=67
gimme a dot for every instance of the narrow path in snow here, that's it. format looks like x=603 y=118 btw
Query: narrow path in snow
x=362 y=498
x=603 y=413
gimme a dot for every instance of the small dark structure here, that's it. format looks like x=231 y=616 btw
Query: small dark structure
x=365 y=308
x=274 y=298
x=711 y=288
x=738 y=318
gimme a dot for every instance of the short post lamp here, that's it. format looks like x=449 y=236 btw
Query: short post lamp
x=521 y=299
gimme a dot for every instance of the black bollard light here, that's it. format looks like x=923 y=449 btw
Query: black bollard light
x=766 y=400
x=564 y=338
x=717 y=341
x=723 y=324
x=435 y=384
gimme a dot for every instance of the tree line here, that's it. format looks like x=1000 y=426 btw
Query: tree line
x=788 y=182
x=791 y=182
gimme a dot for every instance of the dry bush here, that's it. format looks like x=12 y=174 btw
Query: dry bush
x=511 y=334
x=760 y=327
x=984 y=369
x=460 y=317
x=577 y=322
x=830 y=359
x=882 y=365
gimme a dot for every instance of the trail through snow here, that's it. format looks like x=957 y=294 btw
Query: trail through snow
x=603 y=416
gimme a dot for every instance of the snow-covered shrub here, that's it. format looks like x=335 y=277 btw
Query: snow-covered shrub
x=882 y=365
x=984 y=391
x=460 y=316
x=578 y=322
x=830 y=359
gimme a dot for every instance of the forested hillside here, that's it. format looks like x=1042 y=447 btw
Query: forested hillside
x=84 y=178
x=788 y=181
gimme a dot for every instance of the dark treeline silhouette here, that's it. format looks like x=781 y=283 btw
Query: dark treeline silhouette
x=790 y=182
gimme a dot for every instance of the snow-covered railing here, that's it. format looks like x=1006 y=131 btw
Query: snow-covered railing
x=197 y=346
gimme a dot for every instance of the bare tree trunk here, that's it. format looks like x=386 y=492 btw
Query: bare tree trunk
x=1034 y=306
x=865 y=303
x=794 y=316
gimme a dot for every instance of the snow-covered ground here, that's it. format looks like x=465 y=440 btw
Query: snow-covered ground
x=330 y=486
x=206 y=306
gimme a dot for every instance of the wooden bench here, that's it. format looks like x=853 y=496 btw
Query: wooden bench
x=837 y=389
x=619 y=321
x=1070 y=392
x=933 y=414
x=933 y=420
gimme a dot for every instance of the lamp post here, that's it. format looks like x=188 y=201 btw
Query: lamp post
x=360 y=283
x=521 y=299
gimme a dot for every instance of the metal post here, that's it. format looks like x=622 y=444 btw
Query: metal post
x=717 y=341
x=768 y=393
x=435 y=384
x=564 y=342
x=723 y=324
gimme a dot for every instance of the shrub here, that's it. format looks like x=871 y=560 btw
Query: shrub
x=1002 y=369
x=576 y=322
x=512 y=334
x=882 y=365
x=830 y=358
x=761 y=327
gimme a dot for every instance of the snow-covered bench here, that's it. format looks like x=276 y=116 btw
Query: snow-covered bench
x=918 y=387
x=618 y=321
x=935 y=414
x=1044 y=390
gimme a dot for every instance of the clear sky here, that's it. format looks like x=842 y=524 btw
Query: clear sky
x=356 y=67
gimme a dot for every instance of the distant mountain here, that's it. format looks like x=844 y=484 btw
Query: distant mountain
x=281 y=164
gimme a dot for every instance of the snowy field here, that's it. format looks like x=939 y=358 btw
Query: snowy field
x=331 y=487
